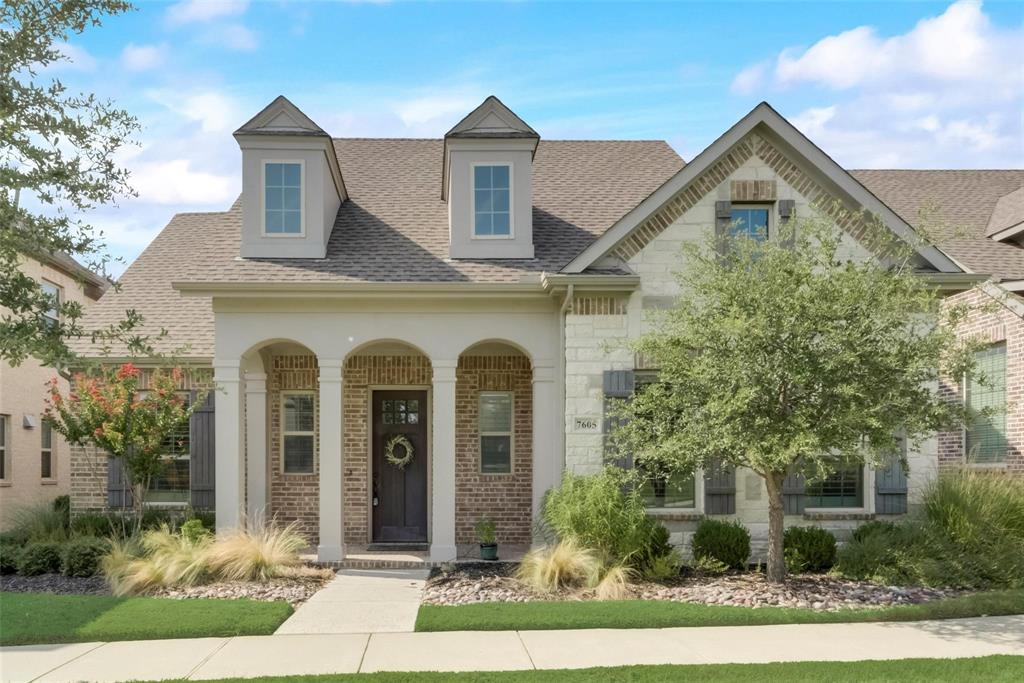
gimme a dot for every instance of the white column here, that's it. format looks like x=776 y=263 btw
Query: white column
x=332 y=526
x=256 y=445
x=228 y=440
x=442 y=537
x=547 y=417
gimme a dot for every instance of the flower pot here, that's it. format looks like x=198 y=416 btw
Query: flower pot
x=489 y=551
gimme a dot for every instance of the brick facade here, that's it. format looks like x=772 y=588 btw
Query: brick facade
x=507 y=498
x=993 y=321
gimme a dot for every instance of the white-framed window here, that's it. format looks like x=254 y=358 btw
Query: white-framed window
x=496 y=432
x=282 y=198
x=985 y=437
x=298 y=424
x=492 y=201
x=750 y=221
x=46 y=450
x=173 y=484
x=52 y=291
x=5 y=449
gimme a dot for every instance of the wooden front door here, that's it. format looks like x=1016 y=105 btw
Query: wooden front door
x=399 y=501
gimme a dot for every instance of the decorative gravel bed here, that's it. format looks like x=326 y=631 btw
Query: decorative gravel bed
x=470 y=584
x=54 y=583
x=295 y=589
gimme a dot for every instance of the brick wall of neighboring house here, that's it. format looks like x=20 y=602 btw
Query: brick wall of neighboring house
x=360 y=374
x=505 y=497
x=993 y=321
x=88 y=465
x=294 y=498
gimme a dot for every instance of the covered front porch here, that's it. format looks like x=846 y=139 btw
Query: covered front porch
x=395 y=445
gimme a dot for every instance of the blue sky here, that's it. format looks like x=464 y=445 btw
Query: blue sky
x=883 y=85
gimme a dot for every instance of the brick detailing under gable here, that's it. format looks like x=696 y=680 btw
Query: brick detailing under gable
x=717 y=173
x=753 y=190
x=993 y=322
x=294 y=498
x=360 y=374
x=600 y=305
x=505 y=497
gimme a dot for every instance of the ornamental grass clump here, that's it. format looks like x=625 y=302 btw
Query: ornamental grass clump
x=256 y=554
x=565 y=565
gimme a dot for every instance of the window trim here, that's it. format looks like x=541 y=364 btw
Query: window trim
x=302 y=199
x=965 y=384
x=769 y=208
x=44 y=428
x=867 y=482
x=5 y=449
x=511 y=200
x=285 y=432
x=60 y=300
x=511 y=434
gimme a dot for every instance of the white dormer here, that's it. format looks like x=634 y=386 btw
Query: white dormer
x=488 y=184
x=291 y=184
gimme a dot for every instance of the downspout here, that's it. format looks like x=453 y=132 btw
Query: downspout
x=562 y=316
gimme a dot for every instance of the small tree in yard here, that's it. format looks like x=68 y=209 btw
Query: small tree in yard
x=785 y=356
x=107 y=410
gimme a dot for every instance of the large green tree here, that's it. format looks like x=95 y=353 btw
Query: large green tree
x=57 y=162
x=794 y=355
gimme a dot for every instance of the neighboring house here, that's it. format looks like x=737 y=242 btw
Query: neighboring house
x=35 y=462
x=406 y=334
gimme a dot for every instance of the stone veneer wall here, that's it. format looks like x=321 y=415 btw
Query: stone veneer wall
x=89 y=465
x=361 y=373
x=993 y=322
x=506 y=498
x=294 y=498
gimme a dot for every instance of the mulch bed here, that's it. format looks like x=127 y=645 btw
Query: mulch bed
x=468 y=584
x=54 y=583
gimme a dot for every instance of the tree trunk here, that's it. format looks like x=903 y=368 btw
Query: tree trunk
x=776 y=517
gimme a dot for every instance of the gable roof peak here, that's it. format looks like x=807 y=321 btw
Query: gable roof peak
x=281 y=117
x=492 y=119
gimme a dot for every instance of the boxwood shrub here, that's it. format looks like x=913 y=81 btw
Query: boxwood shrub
x=41 y=557
x=81 y=556
x=726 y=542
x=809 y=548
x=9 y=554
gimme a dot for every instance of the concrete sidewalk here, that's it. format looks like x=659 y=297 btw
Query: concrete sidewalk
x=210 y=658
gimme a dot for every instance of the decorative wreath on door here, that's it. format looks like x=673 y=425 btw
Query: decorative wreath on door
x=389 y=451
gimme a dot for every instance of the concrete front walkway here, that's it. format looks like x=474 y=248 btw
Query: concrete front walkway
x=361 y=601
x=208 y=658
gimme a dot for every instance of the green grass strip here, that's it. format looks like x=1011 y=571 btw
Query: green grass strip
x=995 y=668
x=32 y=618
x=535 y=616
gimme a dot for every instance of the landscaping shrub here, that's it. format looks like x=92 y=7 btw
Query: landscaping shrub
x=194 y=531
x=95 y=524
x=41 y=521
x=257 y=553
x=809 y=548
x=62 y=506
x=726 y=542
x=9 y=554
x=875 y=526
x=39 y=557
x=603 y=513
x=880 y=553
x=81 y=556
x=614 y=585
x=563 y=565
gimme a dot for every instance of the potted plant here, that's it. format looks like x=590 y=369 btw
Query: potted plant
x=488 y=540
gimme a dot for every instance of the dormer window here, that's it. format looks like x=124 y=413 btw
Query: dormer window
x=492 y=189
x=282 y=198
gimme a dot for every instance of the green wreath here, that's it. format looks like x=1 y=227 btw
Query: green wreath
x=389 y=451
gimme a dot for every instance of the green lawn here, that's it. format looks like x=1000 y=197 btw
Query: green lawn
x=30 y=618
x=997 y=668
x=525 y=616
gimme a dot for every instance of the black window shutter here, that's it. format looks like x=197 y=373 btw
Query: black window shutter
x=720 y=490
x=202 y=443
x=891 y=485
x=793 y=494
x=618 y=384
x=787 y=211
x=118 y=495
x=723 y=218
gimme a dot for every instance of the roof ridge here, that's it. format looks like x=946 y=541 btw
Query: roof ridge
x=939 y=170
x=384 y=139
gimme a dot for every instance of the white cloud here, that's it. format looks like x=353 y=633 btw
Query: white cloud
x=78 y=58
x=215 y=112
x=196 y=11
x=948 y=92
x=234 y=36
x=430 y=108
x=142 y=57
x=750 y=79
x=176 y=182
